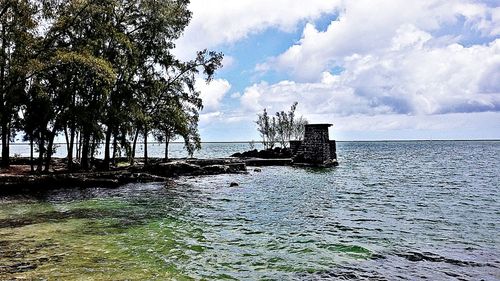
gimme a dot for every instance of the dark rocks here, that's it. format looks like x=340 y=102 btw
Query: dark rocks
x=250 y=153
x=274 y=153
x=232 y=168
x=236 y=167
x=257 y=170
x=175 y=168
x=197 y=167
x=10 y=183
x=234 y=184
x=268 y=162
x=158 y=172
x=207 y=162
x=215 y=169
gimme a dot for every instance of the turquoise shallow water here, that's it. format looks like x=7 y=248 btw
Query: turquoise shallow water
x=390 y=211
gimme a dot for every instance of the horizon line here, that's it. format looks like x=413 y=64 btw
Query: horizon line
x=253 y=141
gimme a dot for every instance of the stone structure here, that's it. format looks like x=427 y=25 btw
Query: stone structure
x=316 y=148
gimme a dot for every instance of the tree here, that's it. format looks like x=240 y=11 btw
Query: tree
x=299 y=128
x=174 y=120
x=89 y=60
x=17 y=25
x=267 y=129
x=282 y=127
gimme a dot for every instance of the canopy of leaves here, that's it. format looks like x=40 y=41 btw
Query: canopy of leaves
x=98 y=69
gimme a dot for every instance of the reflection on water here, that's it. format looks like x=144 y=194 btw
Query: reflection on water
x=390 y=211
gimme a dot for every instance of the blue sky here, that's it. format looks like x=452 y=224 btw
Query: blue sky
x=376 y=69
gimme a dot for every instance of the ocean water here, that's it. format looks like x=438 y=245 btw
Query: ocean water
x=391 y=211
x=176 y=150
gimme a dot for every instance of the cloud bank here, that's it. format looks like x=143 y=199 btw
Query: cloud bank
x=392 y=61
x=399 y=61
x=217 y=22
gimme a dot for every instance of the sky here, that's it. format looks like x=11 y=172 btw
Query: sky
x=375 y=69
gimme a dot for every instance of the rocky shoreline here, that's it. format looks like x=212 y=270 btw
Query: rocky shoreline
x=19 y=179
x=282 y=157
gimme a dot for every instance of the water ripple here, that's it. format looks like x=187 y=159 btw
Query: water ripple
x=390 y=211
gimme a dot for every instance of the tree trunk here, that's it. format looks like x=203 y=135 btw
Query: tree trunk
x=72 y=130
x=132 y=155
x=41 y=149
x=50 y=147
x=115 y=148
x=31 y=154
x=5 y=144
x=79 y=145
x=85 y=150
x=167 y=141
x=71 y=146
x=106 y=148
x=92 y=151
x=5 y=124
x=145 y=145
x=66 y=137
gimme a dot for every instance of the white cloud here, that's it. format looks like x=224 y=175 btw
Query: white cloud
x=207 y=118
x=392 y=63
x=403 y=64
x=370 y=27
x=407 y=79
x=216 y=22
x=442 y=126
x=212 y=93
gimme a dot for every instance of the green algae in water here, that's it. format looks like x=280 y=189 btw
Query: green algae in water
x=64 y=251
x=284 y=223
x=99 y=249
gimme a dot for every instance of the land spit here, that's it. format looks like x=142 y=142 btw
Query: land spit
x=20 y=179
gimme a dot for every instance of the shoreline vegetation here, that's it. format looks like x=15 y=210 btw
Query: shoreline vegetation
x=101 y=74
x=20 y=177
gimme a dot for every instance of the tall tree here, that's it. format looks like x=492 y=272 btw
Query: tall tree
x=282 y=127
x=87 y=62
x=17 y=26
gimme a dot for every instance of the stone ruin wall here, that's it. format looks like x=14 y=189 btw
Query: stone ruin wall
x=316 y=148
x=333 y=150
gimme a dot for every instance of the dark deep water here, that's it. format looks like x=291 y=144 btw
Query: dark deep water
x=391 y=211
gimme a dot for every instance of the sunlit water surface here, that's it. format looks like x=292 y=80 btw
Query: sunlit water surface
x=390 y=211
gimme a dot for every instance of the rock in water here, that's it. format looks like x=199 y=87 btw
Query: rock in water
x=234 y=184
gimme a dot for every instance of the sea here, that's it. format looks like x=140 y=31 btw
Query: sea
x=403 y=210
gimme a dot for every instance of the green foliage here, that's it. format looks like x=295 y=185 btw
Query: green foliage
x=99 y=67
x=17 y=28
x=281 y=128
x=99 y=70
